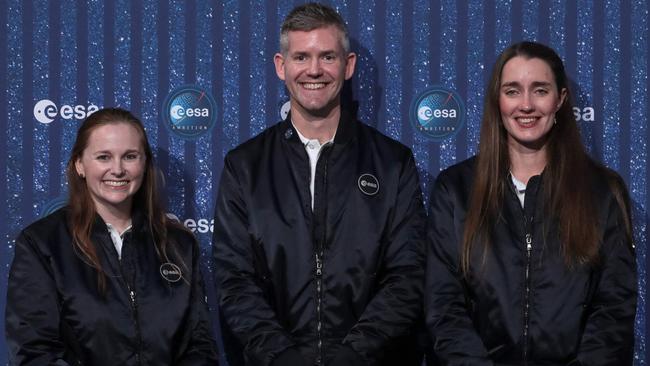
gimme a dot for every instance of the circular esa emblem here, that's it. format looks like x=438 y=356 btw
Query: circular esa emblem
x=189 y=112
x=438 y=113
x=170 y=272
x=53 y=205
x=285 y=109
x=368 y=184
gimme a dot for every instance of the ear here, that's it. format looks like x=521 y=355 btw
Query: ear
x=562 y=99
x=278 y=60
x=350 y=63
x=79 y=167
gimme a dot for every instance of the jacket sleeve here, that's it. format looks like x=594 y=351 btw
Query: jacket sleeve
x=33 y=314
x=397 y=304
x=456 y=341
x=201 y=348
x=243 y=304
x=608 y=337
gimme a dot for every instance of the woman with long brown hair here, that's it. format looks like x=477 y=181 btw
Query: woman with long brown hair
x=108 y=279
x=530 y=259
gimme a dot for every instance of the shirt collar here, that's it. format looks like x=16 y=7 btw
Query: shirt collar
x=305 y=140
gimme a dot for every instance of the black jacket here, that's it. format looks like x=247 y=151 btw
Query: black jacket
x=57 y=316
x=523 y=308
x=348 y=273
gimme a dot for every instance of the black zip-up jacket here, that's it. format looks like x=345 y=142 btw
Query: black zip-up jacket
x=526 y=307
x=56 y=314
x=348 y=274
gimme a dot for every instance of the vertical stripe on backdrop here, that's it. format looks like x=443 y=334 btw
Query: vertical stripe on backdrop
x=68 y=59
x=611 y=100
x=477 y=73
x=204 y=166
x=177 y=29
x=448 y=78
x=38 y=137
x=149 y=66
x=421 y=79
x=257 y=83
x=393 y=97
x=638 y=150
x=231 y=74
x=585 y=69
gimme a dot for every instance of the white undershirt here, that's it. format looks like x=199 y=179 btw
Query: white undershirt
x=313 y=148
x=117 y=238
x=520 y=189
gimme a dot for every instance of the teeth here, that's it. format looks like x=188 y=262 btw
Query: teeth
x=313 y=86
x=526 y=120
x=116 y=183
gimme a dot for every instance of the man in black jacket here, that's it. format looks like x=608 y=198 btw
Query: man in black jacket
x=319 y=232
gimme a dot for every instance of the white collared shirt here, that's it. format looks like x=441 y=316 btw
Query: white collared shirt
x=313 y=148
x=117 y=238
x=520 y=189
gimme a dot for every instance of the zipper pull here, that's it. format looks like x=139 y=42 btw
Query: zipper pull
x=319 y=265
x=529 y=242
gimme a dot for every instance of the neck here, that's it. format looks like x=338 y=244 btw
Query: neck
x=321 y=128
x=120 y=218
x=527 y=163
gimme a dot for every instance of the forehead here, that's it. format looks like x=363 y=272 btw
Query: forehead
x=323 y=38
x=522 y=69
x=116 y=136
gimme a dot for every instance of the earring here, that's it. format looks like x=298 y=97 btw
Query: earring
x=82 y=176
x=554 y=120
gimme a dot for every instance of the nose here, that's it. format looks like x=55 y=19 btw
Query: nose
x=117 y=168
x=526 y=103
x=315 y=69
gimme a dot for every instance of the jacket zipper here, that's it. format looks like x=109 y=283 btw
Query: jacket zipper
x=320 y=251
x=529 y=247
x=319 y=296
x=136 y=322
x=133 y=301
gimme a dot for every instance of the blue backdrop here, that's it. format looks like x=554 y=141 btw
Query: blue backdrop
x=60 y=60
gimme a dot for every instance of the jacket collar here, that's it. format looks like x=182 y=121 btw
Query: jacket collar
x=344 y=132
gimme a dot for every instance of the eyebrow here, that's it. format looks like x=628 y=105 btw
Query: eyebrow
x=130 y=151
x=302 y=53
x=534 y=84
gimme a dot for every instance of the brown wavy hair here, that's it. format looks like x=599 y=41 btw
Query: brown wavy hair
x=82 y=208
x=566 y=176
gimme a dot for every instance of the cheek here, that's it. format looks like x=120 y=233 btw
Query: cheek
x=504 y=106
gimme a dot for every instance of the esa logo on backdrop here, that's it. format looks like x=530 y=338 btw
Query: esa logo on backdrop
x=437 y=113
x=200 y=225
x=53 y=205
x=189 y=112
x=45 y=111
x=284 y=109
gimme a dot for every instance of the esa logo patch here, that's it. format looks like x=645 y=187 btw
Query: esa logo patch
x=368 y=184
